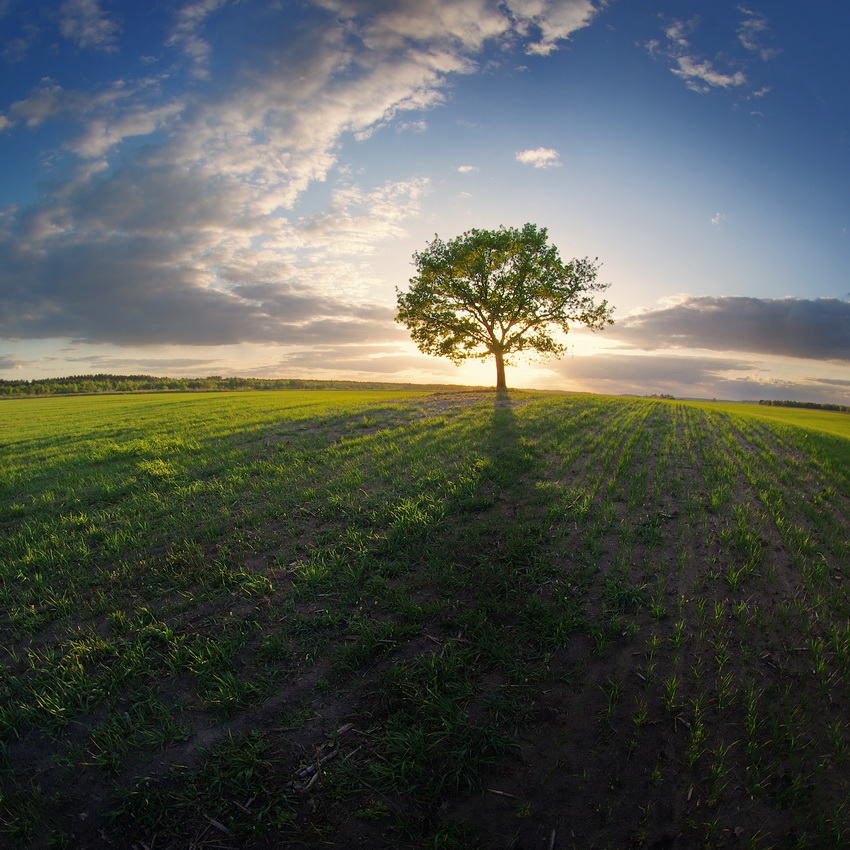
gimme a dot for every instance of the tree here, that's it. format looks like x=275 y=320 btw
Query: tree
x=498 y=293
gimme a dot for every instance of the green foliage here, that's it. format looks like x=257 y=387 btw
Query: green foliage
x=89 y=384
x=498 y=293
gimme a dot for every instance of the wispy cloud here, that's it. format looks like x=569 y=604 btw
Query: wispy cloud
x=701 y=76
x=813 y=329
x=190 y=19
x=365 y=360
x=753 y=31
x=15 y=49
x=193 y=366
x=539 y=158
x=419 y=126
x=701 y=73
x=102 y=119
x=9 y=361
x=87 y=25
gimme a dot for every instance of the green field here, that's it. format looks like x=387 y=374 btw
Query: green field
x=811 y=420
x=408 y=620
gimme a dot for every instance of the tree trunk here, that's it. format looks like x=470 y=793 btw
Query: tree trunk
x=500 y=372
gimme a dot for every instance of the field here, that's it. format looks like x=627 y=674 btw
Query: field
x=365 y=619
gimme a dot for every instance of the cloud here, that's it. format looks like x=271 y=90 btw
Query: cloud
x=87 y=25
x=677 y=32
x=103 y=134
x=697 y=377
x=699 y=73
x=167 y=255
x=48 y=100
x=466 y=169
x=464 y=23
x=692 y=377
x=718 y=218
x=357 y=220
x=539 y=158
x=150 y=290
x=831 y=382
x=190 y=18
x=171 y=218
x=146 y=365
x=555 y=20
x=360 y=361
x=339 y=360
x=412 y=126
x=751 y=32
x=15 y=49
x=153 y=197
x=106 y=117
x=816 y=329
x=695 y=73
x=9 y=361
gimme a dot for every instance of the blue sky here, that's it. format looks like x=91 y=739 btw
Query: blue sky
x=237 y=187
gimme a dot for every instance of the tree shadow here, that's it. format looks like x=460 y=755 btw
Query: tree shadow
x=509 y=456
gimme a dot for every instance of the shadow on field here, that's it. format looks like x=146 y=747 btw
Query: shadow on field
x=510 y=458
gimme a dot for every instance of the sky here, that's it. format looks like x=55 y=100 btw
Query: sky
x=237 y=187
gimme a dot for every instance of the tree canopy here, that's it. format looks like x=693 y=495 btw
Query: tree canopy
x=498 y=293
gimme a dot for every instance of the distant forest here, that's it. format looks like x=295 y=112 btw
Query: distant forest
x=148 y=383
x=809 y=405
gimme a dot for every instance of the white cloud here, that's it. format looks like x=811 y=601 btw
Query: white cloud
x=556 y=20
x=87 y=25
x=467 y=169
x=695 y=73
x=718 y=218
x=539 y=157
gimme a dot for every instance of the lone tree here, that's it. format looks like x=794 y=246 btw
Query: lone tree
x=498 y=293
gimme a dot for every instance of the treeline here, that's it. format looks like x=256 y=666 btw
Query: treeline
x=809 y=405
x=148 y=383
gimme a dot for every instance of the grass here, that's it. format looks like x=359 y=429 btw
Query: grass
x=822 y=421
x=410 y=620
